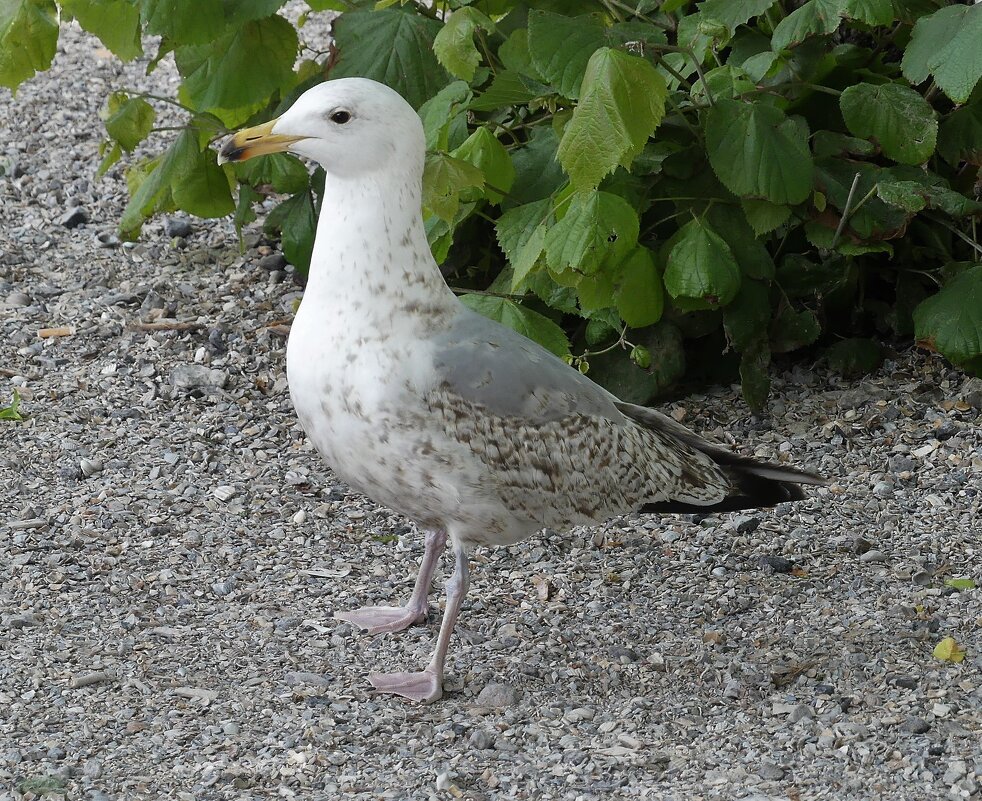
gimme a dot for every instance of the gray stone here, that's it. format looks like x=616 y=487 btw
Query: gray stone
x=274 y=261
x=747 y=525
x=197 y=376
x=175 y=226
x=907 y=682
x=481 y=739
x=497 y=695
x=92 y=768
x=770 y=772
x=873 y=556
x=775 y=564
x=19 y=299
x=916 y=725
x=90 y=467
x=73 y=218
x=800 y=712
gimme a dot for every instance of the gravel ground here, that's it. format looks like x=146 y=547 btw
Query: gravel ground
x=173 y=551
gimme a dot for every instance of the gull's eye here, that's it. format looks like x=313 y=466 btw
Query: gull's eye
x=340 y=117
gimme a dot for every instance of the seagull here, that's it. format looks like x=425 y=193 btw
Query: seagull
x=464 y=426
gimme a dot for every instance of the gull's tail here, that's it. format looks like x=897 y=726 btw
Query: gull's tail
x=753 y=484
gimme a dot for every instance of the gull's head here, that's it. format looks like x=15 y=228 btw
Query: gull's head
x=350 y=126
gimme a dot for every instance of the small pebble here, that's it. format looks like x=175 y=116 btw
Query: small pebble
x=176 y=227
x=883 y=489
x=92 y=768
x=873 y=556
x=224 y=492
x=273 y=262
x=770 y=772
x=197 y=376
x=90 y=467
x=481 y=739
x=73 y=218
x=19 y=299
x=775 y=564
x=496 y=696
x=916 y=725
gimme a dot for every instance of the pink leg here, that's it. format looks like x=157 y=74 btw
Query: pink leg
x=377 y=619
x=427 y=685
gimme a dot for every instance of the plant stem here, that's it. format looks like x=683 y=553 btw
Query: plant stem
x=462 y=291
x=172 y=101
x=845 y=211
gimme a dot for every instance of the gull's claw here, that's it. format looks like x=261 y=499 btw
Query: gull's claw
x=424 y=687
x=376 y=619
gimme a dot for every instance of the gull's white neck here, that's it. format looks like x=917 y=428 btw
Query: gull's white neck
x=371 y=255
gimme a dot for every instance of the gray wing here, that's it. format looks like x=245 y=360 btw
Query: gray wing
x=554 y=444
x=486 y=363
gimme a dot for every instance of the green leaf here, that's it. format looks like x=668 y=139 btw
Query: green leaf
x=393 y=47
x=296 y=223
x=907 y=195
x=486 y=153
x=184 y=22
x=203 y=187
x=128 y=119
x=110 y=156
x=150 y=184
x=960 y=583
x=829 y=143
x=854 y=357
x=701 y=267
x=763 y=215
x=948 y=650
x=283 y=171
x=238 y=12
x=241 y=68
x=946 y=45
x=640 y=298
x=750 y=252
x=115 y=22
x=872 y=12
x=530 y=323
x=960 y=136
x=734 y=13
x=12 y=412
x=897 y=117
x=444 y=178
x=244 y=213
x=454 y=44
x=521 y=232
x=537 y=173
x=791 y=330
x=444 y=116
x=598 y=228
x=950 y=322
x=622 y=102
x=757 y=152
x=814 y=17
x=28 y=39
x=561 y=47
x=508 y=88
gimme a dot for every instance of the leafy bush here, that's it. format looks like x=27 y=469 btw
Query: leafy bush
x=644 y=183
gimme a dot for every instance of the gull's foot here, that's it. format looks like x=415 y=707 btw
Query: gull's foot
x=376 y=619
x=425 y=687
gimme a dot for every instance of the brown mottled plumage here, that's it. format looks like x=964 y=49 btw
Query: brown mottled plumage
x=461 y=424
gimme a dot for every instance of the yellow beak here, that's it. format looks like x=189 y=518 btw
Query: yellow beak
x=256 y=141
